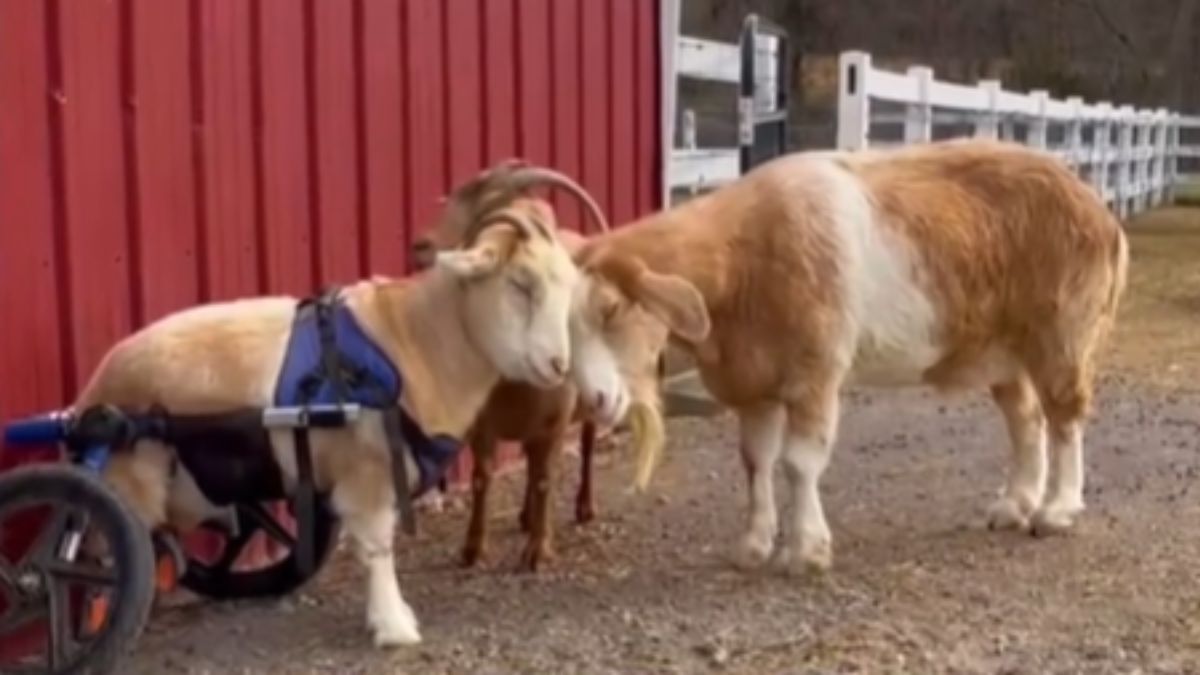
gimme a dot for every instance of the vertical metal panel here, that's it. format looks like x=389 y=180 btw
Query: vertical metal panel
x=646 y=157
x=158 y=134
x=426 y=112
x=97 y=245
x=226 y=135
x=566 y=106
x=464 y=89
x=597 y=108
x=334 y=139
x=499 y=79
x=156 y=153
x=384 y=152
x=622 y=90
x=285 y=208
x=31 y=366
x=533 y=79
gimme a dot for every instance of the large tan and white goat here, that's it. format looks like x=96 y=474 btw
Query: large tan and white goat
x=957 y=264
x=539 y=419
x=496 y=308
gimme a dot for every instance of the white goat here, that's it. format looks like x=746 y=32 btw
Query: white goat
x=955 y=264
x=497 y=308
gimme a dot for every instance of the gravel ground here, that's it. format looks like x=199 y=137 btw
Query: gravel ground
x=918 y=585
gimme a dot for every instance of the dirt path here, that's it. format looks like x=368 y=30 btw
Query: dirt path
x=918 y=586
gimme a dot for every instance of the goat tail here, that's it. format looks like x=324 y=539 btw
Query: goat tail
x=649 y=438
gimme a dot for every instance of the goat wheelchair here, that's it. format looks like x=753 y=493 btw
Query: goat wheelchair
x=78 y=593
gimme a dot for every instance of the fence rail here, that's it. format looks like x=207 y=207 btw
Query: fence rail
x=1133 y=157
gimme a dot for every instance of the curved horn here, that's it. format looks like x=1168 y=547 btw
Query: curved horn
x=525 y=177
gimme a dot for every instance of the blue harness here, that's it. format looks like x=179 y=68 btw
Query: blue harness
x=331 y=360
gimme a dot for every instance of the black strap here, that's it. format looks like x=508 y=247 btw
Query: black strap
x=398 y=446
x=306 y=504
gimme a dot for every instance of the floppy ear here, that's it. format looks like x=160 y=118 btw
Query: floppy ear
x=493 y=248
x=676 y=302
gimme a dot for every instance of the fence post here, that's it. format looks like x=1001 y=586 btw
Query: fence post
x=918 y=117
x=1102 y=143
x=988 y=124
x=1142 y=161
x=1124 y=159
x=854 y=102
x=1036 y=136
x=1172 y=155
x=1158 y=166
x=1074 y=137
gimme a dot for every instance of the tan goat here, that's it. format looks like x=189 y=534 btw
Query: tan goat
x=957 y=264
x=496 y=308
x=540 y=419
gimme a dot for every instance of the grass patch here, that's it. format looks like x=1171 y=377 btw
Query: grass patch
x=1158 y=331
x=1188 y=194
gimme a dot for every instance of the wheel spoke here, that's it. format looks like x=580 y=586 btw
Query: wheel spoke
x=233 y=548
x=8 y=575
x=269 y=524
x=20 y=615
x=82 y=573
x=45 y=546
x=60 y=624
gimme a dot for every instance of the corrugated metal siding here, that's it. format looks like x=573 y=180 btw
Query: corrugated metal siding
x=159 y=153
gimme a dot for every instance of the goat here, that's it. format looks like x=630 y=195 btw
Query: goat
x=498 y=307
x=958 y=264
x=538 y=418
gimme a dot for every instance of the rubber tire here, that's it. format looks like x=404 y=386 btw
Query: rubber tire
x=131 y=546
x=277 y=579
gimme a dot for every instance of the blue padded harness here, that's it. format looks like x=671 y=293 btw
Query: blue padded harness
x=330 y=360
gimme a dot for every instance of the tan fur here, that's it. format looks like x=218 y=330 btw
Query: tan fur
x=224 y=356
x=541 y=419
x=1019 y=260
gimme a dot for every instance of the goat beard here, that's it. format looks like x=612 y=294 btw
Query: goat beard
x=649 y=438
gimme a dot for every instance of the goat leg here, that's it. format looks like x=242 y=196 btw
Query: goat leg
x=585 y=507
x=483 y=448
x=542 y=460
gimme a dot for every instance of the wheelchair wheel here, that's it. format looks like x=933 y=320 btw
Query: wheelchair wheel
x=79 y=592
x=223 y=578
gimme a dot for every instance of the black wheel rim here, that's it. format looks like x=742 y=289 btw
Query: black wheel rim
x=252 y=518
x=41 y=583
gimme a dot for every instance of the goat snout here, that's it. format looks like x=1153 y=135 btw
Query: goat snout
x=558 y=365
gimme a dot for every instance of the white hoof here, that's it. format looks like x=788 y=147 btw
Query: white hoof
x=1007 y=514
x=752 y=552
x=812 y=557
x=1054 y=518
x=396 y=629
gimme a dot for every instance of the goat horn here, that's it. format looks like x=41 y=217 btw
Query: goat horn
x=525 y=177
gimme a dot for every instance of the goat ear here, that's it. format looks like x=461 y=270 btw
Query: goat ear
x=493 y=248
x=471 y=263
x=677 y=303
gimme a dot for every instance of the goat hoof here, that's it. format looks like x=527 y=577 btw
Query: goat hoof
x=751 y=554
x=805 y=561
x=1053 y=519
x=535 y=557
x=395 y=631
x=1006 y=514
x=584 y=513
x=472 y=556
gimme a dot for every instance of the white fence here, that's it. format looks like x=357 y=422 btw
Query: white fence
x=1132 y=157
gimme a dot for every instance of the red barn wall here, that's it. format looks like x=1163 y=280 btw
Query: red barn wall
x=159 y=153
